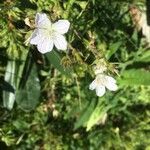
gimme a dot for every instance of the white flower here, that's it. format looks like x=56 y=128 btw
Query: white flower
x=46 y=34
x=102 y=82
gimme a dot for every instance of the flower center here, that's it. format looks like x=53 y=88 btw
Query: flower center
x=101 y=80
x=51 y=32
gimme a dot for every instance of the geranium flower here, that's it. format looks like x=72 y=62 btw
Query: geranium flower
x=46 y=34
x=102 y=82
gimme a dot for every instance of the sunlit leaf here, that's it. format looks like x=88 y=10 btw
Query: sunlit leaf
x=9 y=96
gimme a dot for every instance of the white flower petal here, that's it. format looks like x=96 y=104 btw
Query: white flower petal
x=37 y=36
x=34 y=39
x=100 y=90
x=111 y=83
x=60 y=42
x=45 y=45
x=112 y=86
x=110 y=79
x=61 y=26
x=42 y=21
x=92 y=86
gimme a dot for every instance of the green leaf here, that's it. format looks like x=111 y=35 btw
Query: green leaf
x=97 y=114
x=135 y=77
x=112 y=49
x=27 y=97
x=20 y=124
x=145 y=57
x=82 y=4
x=55 y=59
x=135 y=36
x=85 y=114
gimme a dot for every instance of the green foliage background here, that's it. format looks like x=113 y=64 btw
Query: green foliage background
x=45 y=100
